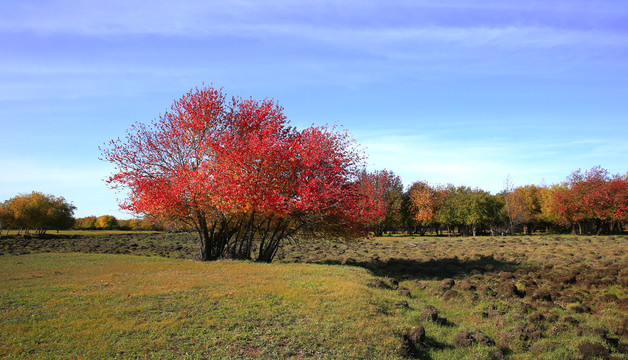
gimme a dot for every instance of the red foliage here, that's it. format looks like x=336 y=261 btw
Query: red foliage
x=592 y=197
x=208 y=159
x=380 y=201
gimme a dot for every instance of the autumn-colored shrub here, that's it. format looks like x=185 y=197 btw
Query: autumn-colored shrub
x=237 y=172
x=36 y=211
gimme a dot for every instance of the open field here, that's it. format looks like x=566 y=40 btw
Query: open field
x=536 y=297
x=71 y=306
x=541 y=297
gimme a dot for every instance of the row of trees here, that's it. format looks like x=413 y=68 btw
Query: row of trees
x=592 y=202
x=38 y=212
x=92 y=222
x=236 y=172
x=109 y=222
x=588 y=202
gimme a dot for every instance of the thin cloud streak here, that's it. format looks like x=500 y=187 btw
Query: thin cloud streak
x=418 y=158
x=194 y=19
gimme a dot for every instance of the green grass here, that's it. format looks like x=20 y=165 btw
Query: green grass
x=70 y=306
x=529 y=261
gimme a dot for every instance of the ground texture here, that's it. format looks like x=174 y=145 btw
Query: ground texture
x=540 y=297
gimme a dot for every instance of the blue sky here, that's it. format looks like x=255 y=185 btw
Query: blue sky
x=463 y=92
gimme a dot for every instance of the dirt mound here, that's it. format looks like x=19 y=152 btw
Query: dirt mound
x=464 y=339
x=593 y=351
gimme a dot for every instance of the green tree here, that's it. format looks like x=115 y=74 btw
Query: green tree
x=451 y=212
x=483 y=210
x=468 y=209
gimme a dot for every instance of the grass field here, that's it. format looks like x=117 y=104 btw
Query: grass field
x=70 y=306
x=542 y=297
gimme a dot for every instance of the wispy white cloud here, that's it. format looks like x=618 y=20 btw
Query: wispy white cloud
x=320 y=36
x=485 y=164
x=476 y=36
x=287 y=19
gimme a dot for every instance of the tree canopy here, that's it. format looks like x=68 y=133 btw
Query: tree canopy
x=36 y=211
x=237 y=172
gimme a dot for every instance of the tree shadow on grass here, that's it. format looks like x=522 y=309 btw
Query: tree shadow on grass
x=408 y=269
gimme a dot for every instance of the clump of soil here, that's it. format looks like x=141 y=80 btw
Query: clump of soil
x=536 y=318
x=429 y=313
x=508 y=289
x=377 y=283
x=592 y=351
x=417 y=335
x=542 y=295
x=404 y=292
x=525 y=332
x=414 y=343
x=447 y=284
x=450 y=294
x=491 y=312
x=402 y=304
x=465 y=285
x=464 y=339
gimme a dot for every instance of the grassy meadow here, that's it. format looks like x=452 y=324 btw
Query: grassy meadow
x=533 y=297
x=87 y=306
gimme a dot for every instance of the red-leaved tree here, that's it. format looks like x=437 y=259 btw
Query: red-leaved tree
x=593 y=201
x=239 y=174
x=380 y=201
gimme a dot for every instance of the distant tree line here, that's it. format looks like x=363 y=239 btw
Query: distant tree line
x=37 y=213
x=590 y=202
x=109 y=222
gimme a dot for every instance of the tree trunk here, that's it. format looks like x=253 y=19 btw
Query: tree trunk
x=203 y=236
x=268 y=248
